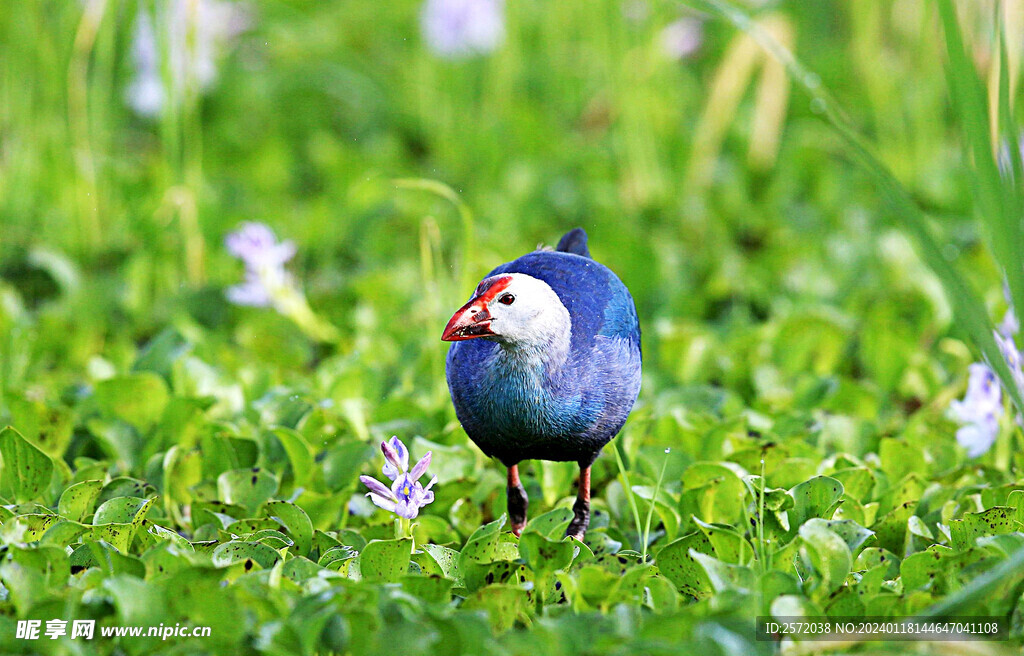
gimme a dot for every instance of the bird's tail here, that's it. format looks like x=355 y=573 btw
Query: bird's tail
x=574 y=241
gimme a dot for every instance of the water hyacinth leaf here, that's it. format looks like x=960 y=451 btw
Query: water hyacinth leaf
x=994 y=521
x=46 y=427
x=826 y=553
x=136 y=601
x=728 y=545
x=117 y=521
x=594 y=584
x=817 y=497
x=35 y=525
x=910 y=488
x=272 y=538
x=250 y=488
x=431 y=589
x=677 y=564
x=138 y=398
x=161 y=352
x=237 y=551
x=385 y=560
x=63 y=532
x=250 y=525
x=125 y=486
x=105 y=556
x=26 y=470
x=477 y=575
x=446 y=559
x=724 y=576
x=504 y=604
x=920 y=570
x=31 y=575
x=858 y=482
x=484 y=545
x=122 y=510
x=295 y=520
x=891 y=529
x=544 y=556
x=644 y=495
x=631 y=588
x=873 y=557
x=76 y=502
x=551 y=524
x=853 y=534
x=714 y=492
x=164 y=533
x=465 y=516
x=300 y=455
x=300 y=569
x=337 y=559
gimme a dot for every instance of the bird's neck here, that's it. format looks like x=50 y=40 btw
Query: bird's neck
x=543 y=356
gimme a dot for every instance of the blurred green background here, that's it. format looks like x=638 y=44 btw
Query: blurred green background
x=777 y=296
x=721 y=202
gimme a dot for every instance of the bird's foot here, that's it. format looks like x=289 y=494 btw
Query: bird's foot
x=580 y=520
x=517 y=505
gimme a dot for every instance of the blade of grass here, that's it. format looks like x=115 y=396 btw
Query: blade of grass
x=968 y=308
x=465 y=217
x=996 y=193
x=628 y=489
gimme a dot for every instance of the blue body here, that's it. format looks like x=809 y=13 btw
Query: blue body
x=515 y=410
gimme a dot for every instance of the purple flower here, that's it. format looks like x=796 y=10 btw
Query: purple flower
x=406 y=496
x=979 y=411
x=462 y=28
x=256 y=245
x=681 y=38
x=190 y=34
x=264 y=258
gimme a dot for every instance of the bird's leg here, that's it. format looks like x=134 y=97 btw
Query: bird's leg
x=517 y=501
x=581 y=509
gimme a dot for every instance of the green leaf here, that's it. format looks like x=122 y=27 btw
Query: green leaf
x=446 y=559
x=543 y=555
x=247 y=487
x=994 y=521
x=26 y=471
x=817 y=497
x=724 y=576
x=551 y=524
x=76 y=502
x=296 y=521
x=137 y=398
x=385 y=560
x=677 y=564
x=504 y=604
x=826 y=553
x=248 y=553
x=486 y=544
x=431 y=589
x=118 y=521
x=300 y=455
x=852 y=533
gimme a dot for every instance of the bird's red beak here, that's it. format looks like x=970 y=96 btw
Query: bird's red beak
x=471 y=321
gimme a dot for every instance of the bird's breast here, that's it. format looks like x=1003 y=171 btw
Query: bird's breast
x=511 y=396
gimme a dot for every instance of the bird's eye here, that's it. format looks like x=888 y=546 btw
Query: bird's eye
x=506 y=299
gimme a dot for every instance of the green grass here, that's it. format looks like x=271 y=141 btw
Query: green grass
x=808 y=313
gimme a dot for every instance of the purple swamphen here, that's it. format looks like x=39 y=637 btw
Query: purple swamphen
x=545 y=365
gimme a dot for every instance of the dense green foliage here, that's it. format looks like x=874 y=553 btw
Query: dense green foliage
x=172 y=458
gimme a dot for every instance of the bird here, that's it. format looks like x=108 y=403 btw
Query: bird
x=545 y=364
